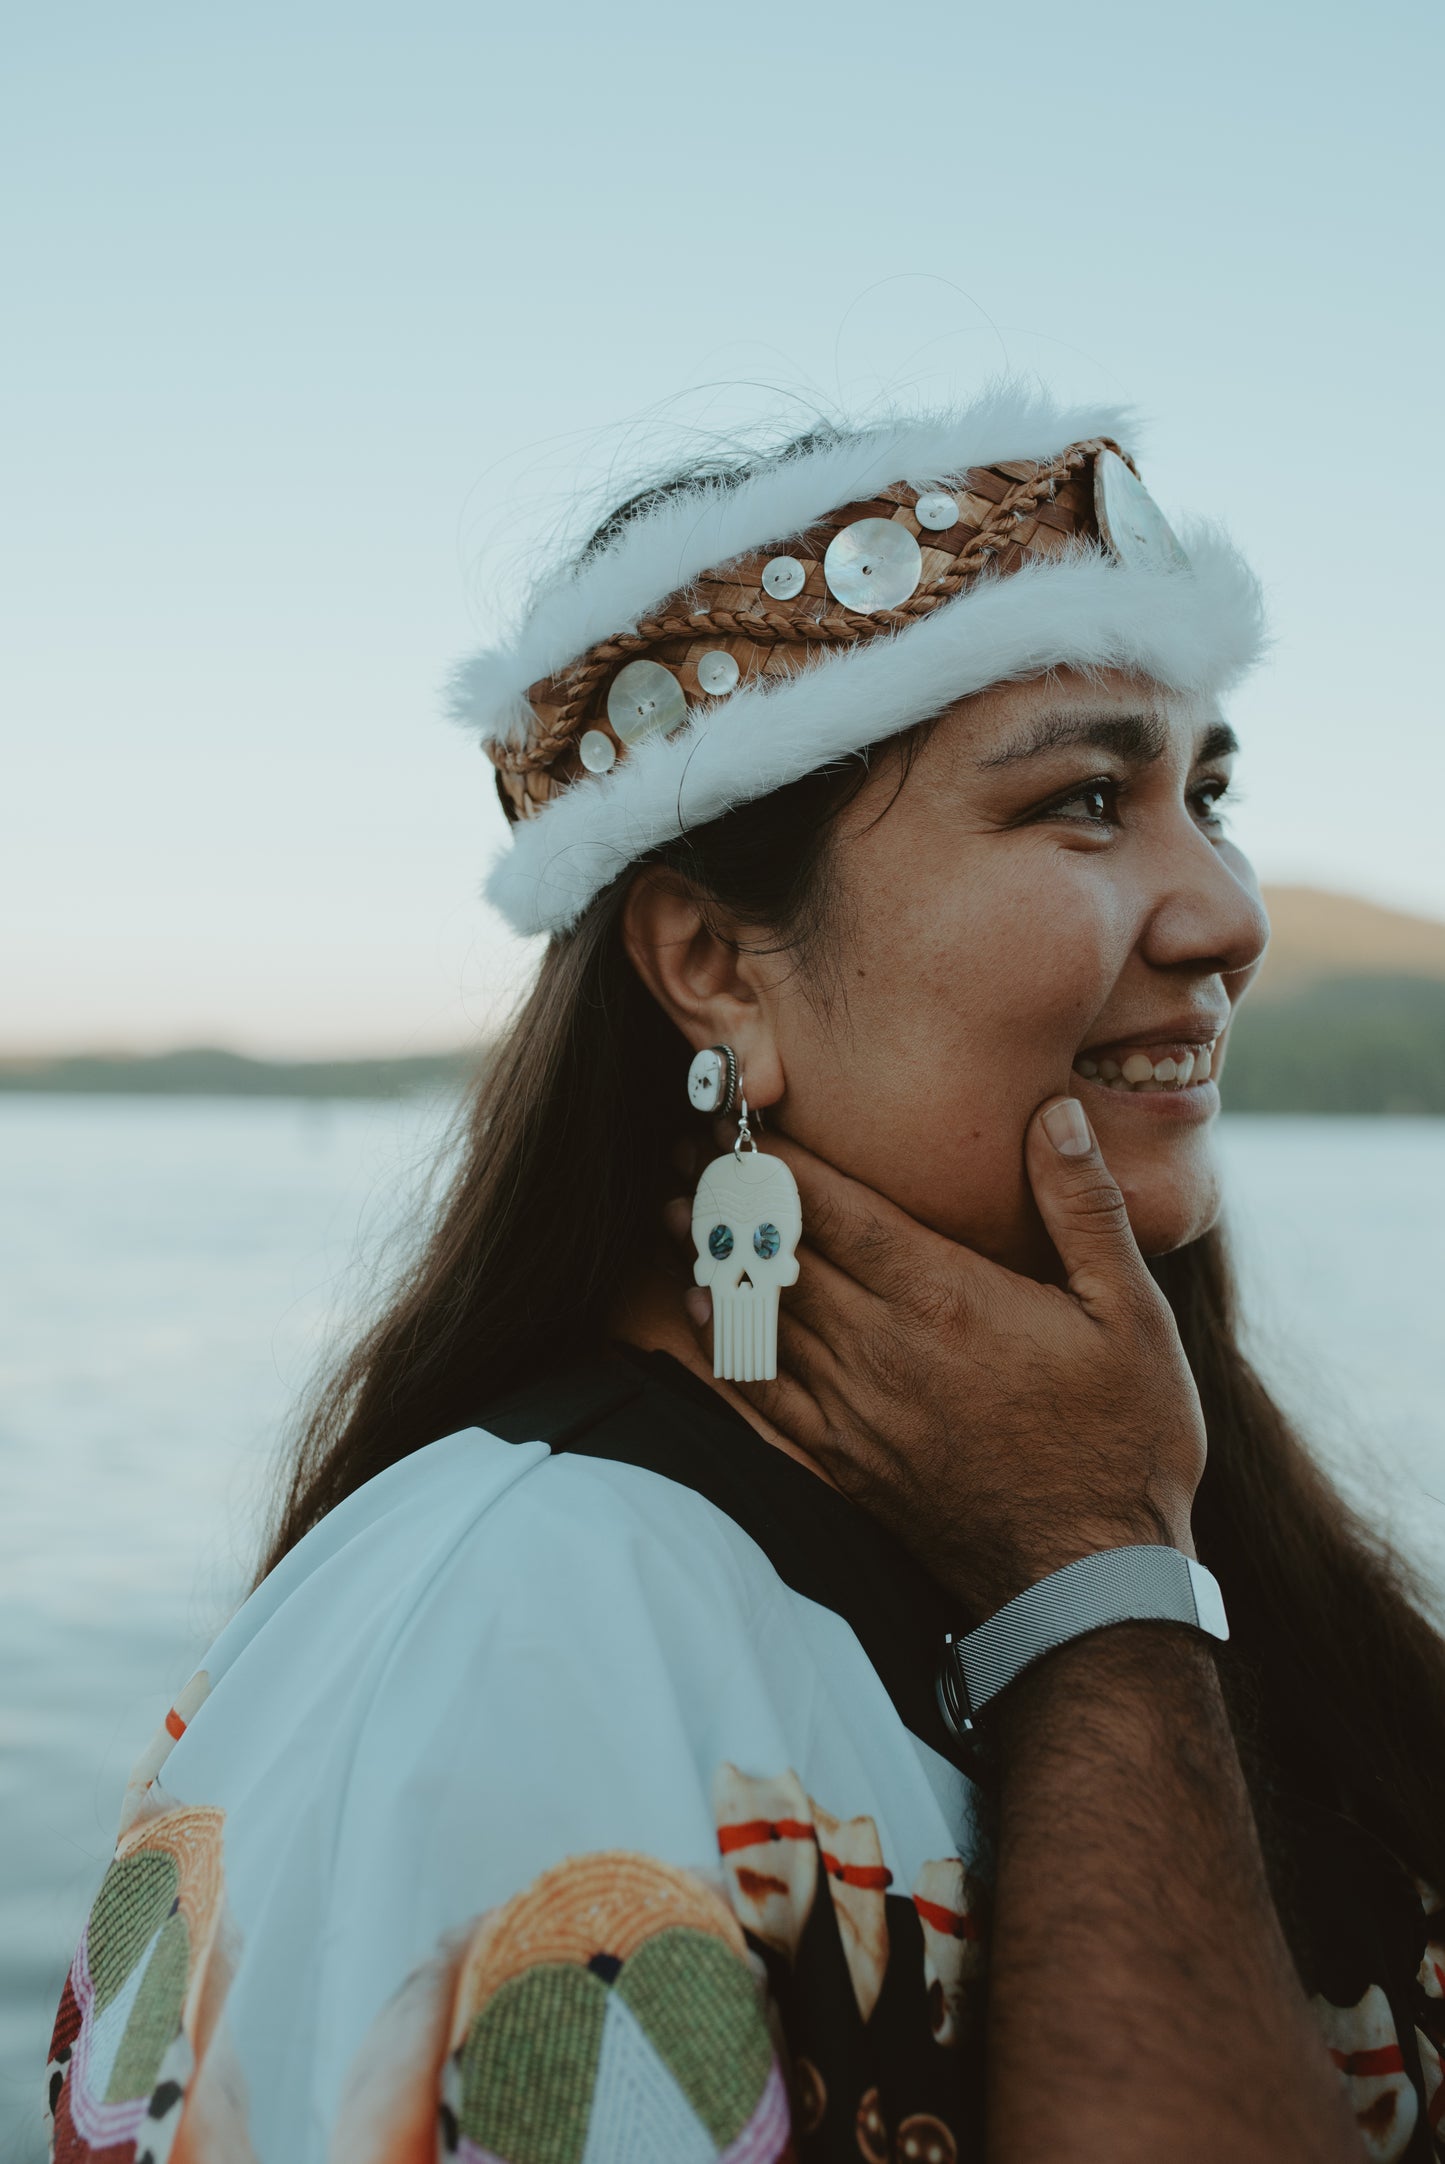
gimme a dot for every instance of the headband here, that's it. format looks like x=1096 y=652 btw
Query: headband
x=729 y=636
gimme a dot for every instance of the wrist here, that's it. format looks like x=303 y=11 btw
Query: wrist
x=982 y=1583
x=1097 y=1594
x=1110 y=1684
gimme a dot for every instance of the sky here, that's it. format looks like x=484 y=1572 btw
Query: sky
x=322 y=320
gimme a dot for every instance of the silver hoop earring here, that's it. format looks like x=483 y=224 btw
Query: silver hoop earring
x=712 y=1081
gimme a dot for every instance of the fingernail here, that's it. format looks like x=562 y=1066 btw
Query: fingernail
x=677 y=1217
x=1067 y=1128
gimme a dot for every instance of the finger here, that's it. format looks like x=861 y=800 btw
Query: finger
x=698 y=1302
x=790 y=1401
x=835 y=1307
x=788 y=1405
x=809 y=1359
x=1081 y=1206
x=677 y=1219
x=856 y=1228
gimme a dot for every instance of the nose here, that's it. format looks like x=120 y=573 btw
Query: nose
x=1210 y=917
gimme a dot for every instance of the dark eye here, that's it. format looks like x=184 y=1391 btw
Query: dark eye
x=720 y=1242
x=1208 y=797
x=766 y=1241
x=1096 y=802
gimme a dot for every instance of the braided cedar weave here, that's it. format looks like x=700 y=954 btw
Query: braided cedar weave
x=1009 y=515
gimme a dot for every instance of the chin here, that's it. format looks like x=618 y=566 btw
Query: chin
x=1172 y=1195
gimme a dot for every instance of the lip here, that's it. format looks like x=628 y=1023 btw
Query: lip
x=1192 y=1106
x=1175 y=1034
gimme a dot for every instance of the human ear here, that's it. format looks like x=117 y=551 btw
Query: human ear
x=709 y=986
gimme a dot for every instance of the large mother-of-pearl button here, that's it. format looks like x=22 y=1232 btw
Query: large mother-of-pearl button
x=717 y=673
x=873 y=564
x=597 y=752
x=937 y=510
x=644 y=698
x=1131 y=522
x=783 y=577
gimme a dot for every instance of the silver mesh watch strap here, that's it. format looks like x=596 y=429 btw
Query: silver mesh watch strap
x=1120 y=1585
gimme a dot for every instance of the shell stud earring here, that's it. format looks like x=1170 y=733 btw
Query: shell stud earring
x=712 y=1081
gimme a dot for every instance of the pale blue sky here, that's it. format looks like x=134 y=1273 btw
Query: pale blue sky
x=314 y=310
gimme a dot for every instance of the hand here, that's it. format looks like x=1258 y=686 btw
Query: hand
x=1000 y=1427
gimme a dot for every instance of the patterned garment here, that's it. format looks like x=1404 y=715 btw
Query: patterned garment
x=576 y=1794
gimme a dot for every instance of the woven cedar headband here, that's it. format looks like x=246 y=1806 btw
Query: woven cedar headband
x=671 y=698
x=772 y=612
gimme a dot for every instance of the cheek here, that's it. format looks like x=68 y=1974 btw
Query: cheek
x=965 y=1002
x=989 y=980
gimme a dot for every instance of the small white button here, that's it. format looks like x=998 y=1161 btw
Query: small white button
x=783 y=578
x=937 y=511
x=597 y=752
x=717 y=673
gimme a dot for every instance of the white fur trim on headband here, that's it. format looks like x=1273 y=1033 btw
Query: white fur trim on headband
x=1193 y=630
x=710 y=525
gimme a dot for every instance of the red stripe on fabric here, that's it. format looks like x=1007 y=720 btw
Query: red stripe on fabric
x=753 y=1830
x=948 y=1920
x=875 y=1876
x=68 y=2019
x=175 y=1725
x=1386 y=2059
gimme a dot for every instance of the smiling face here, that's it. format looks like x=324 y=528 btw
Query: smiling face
x=1047 y=904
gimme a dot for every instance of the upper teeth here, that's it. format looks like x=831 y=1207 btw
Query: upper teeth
x=1138 y=1071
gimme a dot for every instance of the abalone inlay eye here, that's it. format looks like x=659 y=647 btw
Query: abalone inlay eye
x=766 y=1241
x=720 y=1242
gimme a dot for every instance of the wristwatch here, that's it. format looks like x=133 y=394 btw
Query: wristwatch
x=1119 y=1585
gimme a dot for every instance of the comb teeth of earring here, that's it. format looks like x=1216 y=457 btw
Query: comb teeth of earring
x=1139 y=1070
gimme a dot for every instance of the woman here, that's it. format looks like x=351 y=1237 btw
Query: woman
x=620 y=1756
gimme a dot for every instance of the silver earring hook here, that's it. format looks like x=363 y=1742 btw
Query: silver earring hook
x=745 y=1134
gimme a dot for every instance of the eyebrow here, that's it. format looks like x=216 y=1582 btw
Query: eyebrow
x=1137 y=738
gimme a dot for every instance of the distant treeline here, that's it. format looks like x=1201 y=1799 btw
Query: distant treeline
x=1345 y=1044
x=207 y=1073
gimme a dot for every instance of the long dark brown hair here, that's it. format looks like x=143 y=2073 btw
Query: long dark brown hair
x=565 y=1160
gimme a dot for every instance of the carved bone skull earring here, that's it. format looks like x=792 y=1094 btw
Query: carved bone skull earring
x=747 y=1221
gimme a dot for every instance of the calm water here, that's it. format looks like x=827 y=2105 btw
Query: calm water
x=169 y=1272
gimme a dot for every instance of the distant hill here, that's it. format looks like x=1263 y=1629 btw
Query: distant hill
x=1347 y=1015
x=1317 y=934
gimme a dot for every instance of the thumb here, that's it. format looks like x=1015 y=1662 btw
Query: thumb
x=1081 y=1206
